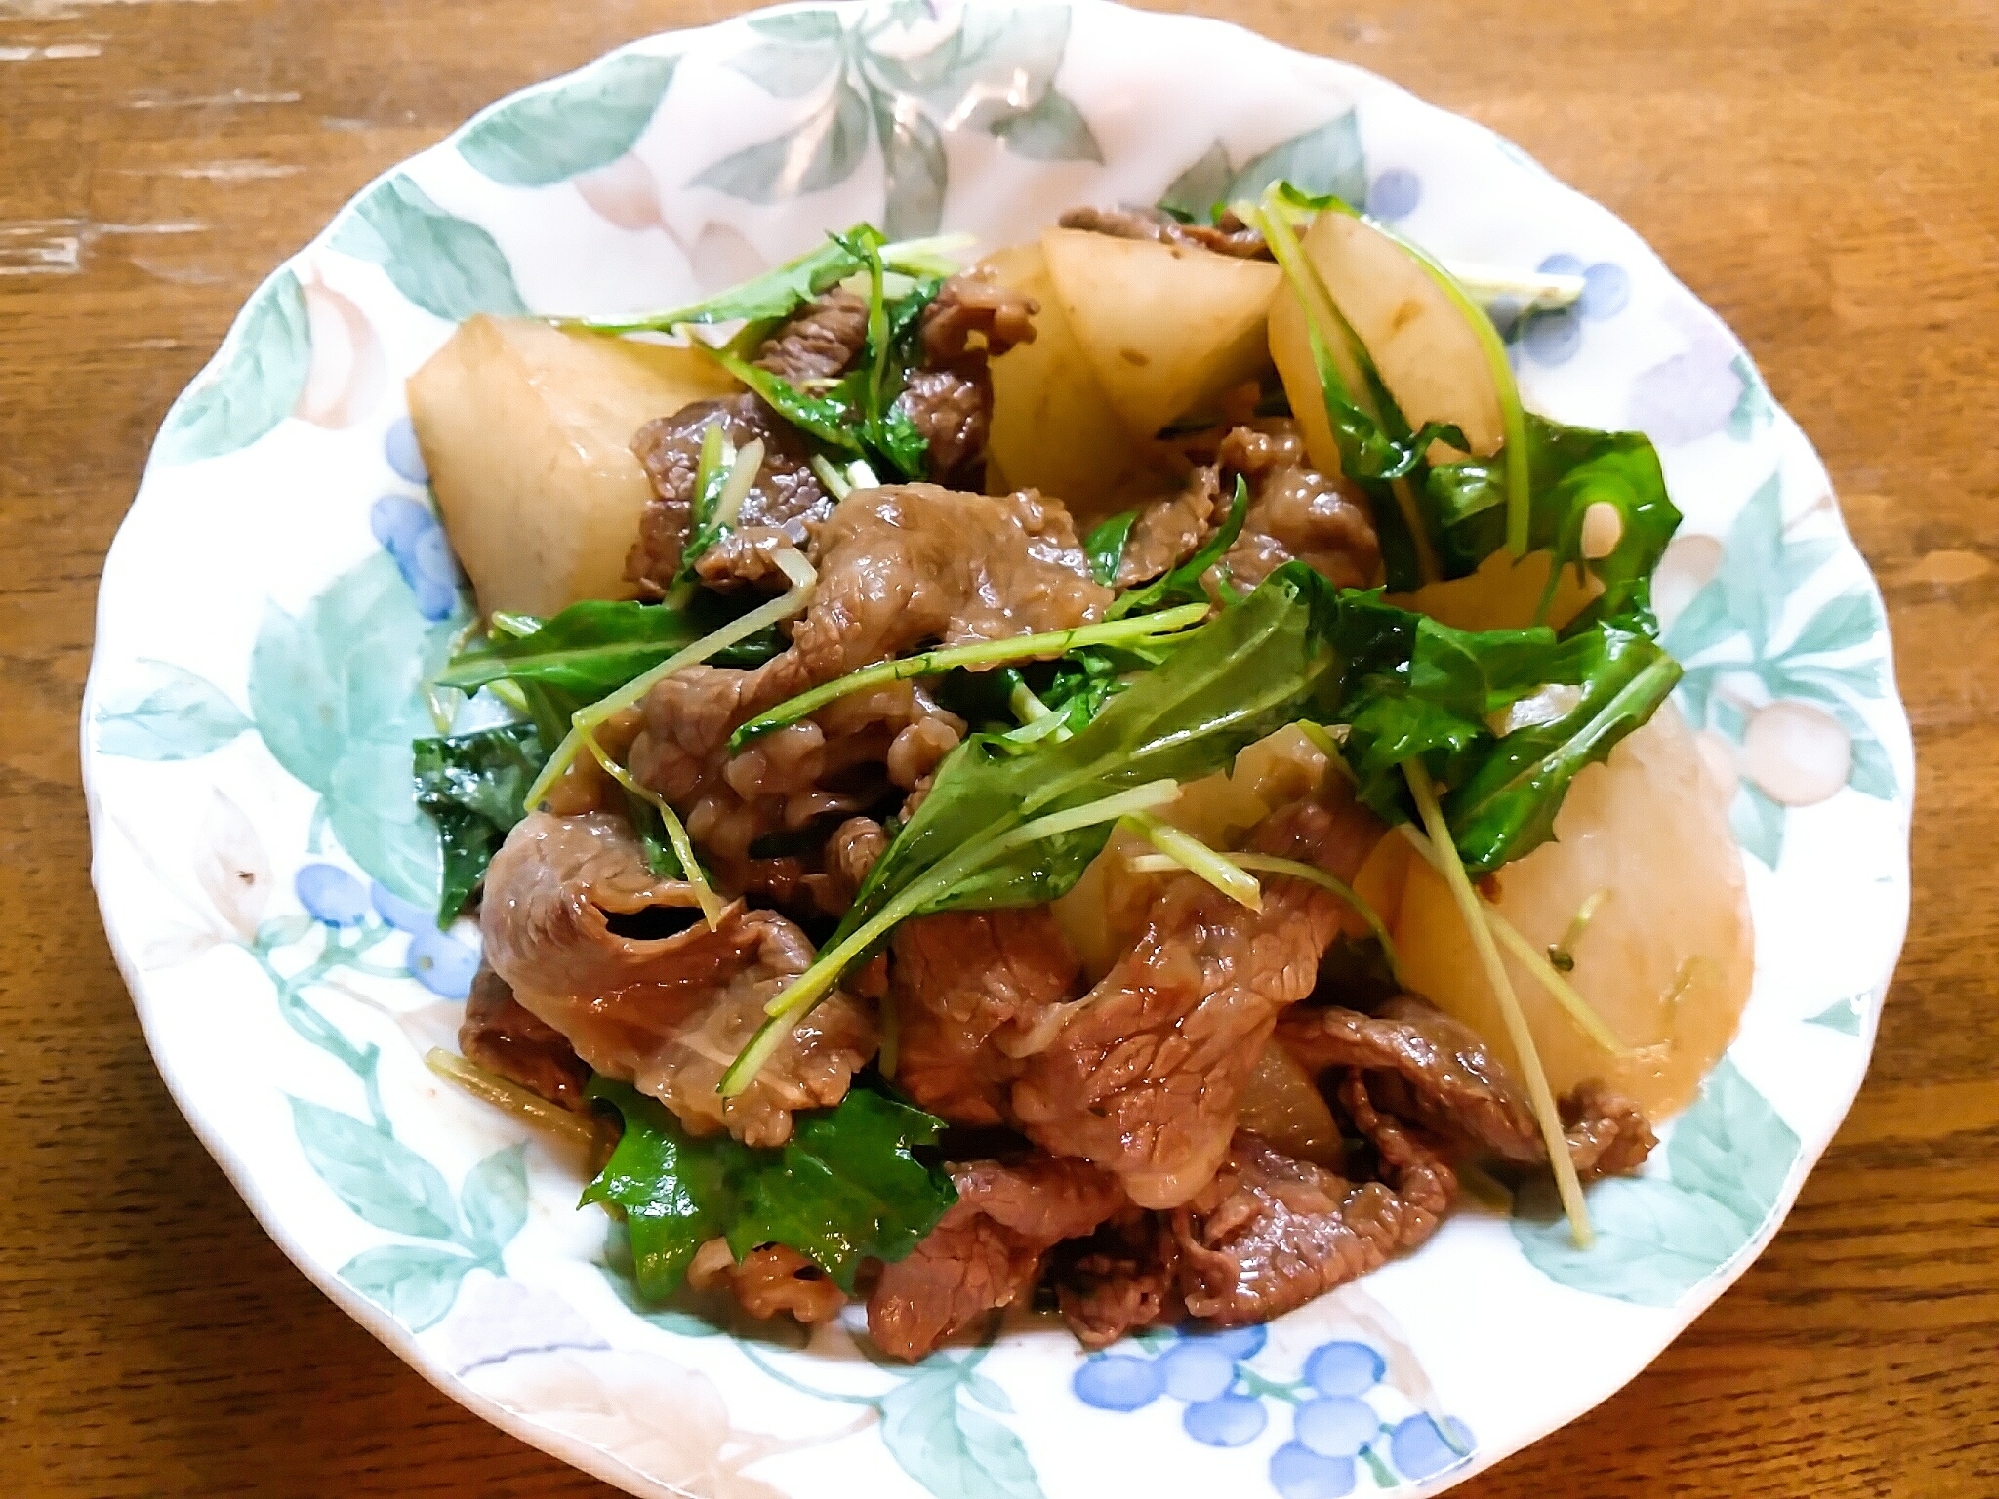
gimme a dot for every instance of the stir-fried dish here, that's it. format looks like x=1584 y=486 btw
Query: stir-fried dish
x=1129 y=776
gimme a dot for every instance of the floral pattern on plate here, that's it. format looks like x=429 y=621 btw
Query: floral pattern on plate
x=281 y=591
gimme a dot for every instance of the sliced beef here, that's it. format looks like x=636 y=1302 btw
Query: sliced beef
x=1169 y=531
x=786 y=496
x=1146 y=1074
x=899 y=567
x=1294 y=511
x=1269 y=1233
x=1122 y=1279
x=512 y=1042
x=973 y=990
x=1230 y=237
x=773 y=1279
x=949 y=396
x=987 y=1251
x=819 y=342
x=621 y=963
x=1425 y=1066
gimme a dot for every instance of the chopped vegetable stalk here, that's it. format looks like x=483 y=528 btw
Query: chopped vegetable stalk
x=711 y=904
x=1272 y=864
x=742 y=478
x=1534 y=290
x=835 y=479
x=802 y=577
x=982 y=653
x=1473 y=912
x=510 y=1097
x=791 y=1003
x=1187 y=852
x=1562 y=954
x=1545 y=974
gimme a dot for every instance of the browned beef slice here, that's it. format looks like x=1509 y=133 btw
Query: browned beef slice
x=1230 y=237
x=786 y=495
x=515 y=1043
x=949 y=397
x=1294 y=511
x=1169 y=531
x=776 y=1278
x=1426 y=1066
x=898 y=567
x=971 y=989
x=819 y=341
x=986 y=1252
x=620 y=963
x=1146 y=1074
x=1120 y=1280
x=1269 y=1233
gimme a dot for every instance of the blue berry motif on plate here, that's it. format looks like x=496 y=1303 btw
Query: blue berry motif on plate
x=1345 y=1424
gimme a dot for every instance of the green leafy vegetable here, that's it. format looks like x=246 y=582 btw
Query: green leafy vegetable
x=1570 y=469
x=777 y=293
x=473 y=786
x=1104 y=546
x=595 y=647
x=711 y=476
x=845 y=1188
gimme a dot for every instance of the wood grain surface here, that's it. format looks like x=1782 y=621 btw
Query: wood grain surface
x=1825 y=173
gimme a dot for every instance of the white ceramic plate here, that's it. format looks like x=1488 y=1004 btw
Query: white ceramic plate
x=272 y=601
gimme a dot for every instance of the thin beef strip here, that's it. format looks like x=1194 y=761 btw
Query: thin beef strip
x=772 y=1279
x=972 y=991
x=898 y=567
x=1269 y=1233
x=1427 y=1067
x=513 y=1042
x=987 y=1251
x=1146 y=1074
x=786 y=496
x=819 y=342
x=617 y=960
x=1294 y=511
x=1123 y=1278
x=949 y=396
x=1230 y=237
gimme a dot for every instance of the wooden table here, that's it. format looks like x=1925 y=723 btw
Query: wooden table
x=1825 y=175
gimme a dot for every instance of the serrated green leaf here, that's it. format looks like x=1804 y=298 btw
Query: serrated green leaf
x=255 y=385
x=166 y=712
x=579 y=126
x=381 y=1180
x=414 y=1283
x=473 y=787
x=447 y=266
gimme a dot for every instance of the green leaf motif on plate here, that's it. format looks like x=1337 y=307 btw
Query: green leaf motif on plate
x=167 y=713
x=337 y=693
x=1731 y=635
x=495 y=1198
x=414 y=1283
x=557 y=133
x=445 y=265
x=1659 y=1237
x=382 y=1181
x=952 y=1448
x=262 y=373
x=994 y=73
x=1842 y=1015
x=1754 y=410
x=1324 y=159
